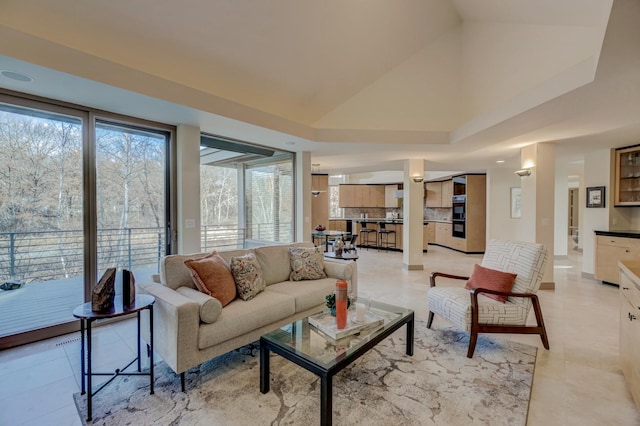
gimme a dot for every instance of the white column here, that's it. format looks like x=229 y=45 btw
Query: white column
x=188 y=185
x=538 y=201
x=413 y=215
x=303 y=196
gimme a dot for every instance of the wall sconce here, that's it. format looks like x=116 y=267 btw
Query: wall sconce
x=418 y=179
x=523 y=172
x=315 y=193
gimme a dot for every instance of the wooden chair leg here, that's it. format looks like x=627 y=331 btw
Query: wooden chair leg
x=430 y=320
x=182 y=384
x=473 y=338
x=543 y=331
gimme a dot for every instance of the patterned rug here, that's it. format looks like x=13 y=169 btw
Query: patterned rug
x=439 y=385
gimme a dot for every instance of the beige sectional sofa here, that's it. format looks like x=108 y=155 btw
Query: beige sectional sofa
x=191 y=327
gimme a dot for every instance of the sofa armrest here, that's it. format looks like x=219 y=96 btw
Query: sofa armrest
x=176 y=321
x=343 y=269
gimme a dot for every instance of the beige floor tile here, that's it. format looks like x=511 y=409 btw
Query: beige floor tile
x=577 y=382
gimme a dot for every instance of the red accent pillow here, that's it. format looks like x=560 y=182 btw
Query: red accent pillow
x=212 y=276
x=491 y=279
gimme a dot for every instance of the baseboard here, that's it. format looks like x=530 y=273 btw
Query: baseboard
x=419 y=267
x=548 y=286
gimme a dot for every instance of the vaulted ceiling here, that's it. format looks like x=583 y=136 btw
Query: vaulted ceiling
x=361 y=84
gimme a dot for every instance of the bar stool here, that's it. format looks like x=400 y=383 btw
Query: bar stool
x=364 y=236
x=383 y=236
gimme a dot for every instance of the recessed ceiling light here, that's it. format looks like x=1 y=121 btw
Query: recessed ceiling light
x=499 y=161
x=16 y=76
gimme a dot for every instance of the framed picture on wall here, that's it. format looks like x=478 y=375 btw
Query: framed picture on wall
x=516 y=202
x=595 y=196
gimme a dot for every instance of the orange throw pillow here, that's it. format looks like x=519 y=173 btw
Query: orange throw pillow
x=491 y=279
x=212 y=276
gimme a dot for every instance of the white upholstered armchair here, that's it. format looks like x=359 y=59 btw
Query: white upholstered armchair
x=472 y=311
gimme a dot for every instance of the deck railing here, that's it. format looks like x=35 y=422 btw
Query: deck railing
x=52 y=255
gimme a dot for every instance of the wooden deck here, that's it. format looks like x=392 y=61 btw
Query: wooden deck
x=47 y=303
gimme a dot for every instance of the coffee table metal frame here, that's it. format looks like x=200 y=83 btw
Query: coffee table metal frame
x=87 y=316
x=270 y=343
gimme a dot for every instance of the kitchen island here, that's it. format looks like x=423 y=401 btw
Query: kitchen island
x=437 y=232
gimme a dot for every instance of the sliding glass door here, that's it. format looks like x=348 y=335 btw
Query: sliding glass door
x=78 y=194
x=131 y=195
x=41 y=217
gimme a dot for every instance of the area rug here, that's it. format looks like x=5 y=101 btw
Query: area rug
x=438 y=385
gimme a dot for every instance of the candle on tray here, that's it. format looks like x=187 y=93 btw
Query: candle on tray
x=360 y=311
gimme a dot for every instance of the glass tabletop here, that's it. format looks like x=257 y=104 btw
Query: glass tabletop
x=307 y=341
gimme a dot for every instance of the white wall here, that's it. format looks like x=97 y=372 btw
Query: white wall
x=188 y=197
x=500 y=225
x=561 y=211
x=599 y=171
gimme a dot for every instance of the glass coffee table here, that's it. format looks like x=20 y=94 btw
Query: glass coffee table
x=306 y=346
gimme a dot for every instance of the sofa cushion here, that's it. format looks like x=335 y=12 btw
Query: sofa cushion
x=212 y=276
x=275 y=261
x=307 y=263
x=240 y=317
x=307 y=294
x=210 y=307
x=247 y=274
x=491 y=279
x=174 y=273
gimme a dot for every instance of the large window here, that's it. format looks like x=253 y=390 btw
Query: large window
x=269 y=200
x=246 y=194
x=78 y=194
x=335 y=212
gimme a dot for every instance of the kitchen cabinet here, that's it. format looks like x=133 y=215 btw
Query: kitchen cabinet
x=447 y=193
x=429 y=233
x=320 y=203
x=390 y=200
x=476 y=214
x=439 y=194
x=434 y=194
x=347 y=196
x=627 y=177
x=443 y=234
x=630 y=326
x=609 y=251
x=354 y=195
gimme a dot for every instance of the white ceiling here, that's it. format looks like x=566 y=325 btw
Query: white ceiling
x=362 y=85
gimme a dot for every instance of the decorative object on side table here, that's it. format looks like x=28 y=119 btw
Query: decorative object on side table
x=104 y=292
x=320 y=228
x=338 y=246
x=595 y=196
x=128 y=287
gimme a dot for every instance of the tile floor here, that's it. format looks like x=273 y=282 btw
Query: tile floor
x=577 y=382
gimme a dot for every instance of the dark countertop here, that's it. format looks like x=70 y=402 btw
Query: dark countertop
x=624 y=234
x=382 y=219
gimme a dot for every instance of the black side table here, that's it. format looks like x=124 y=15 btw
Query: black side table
x=87 y=316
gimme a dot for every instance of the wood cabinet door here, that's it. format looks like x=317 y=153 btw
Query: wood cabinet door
x=607 y=257
x=443 y=234
x=447 y=193
x=377 y=197
x=347 y=196
x=434 y=194
x=630 y=335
